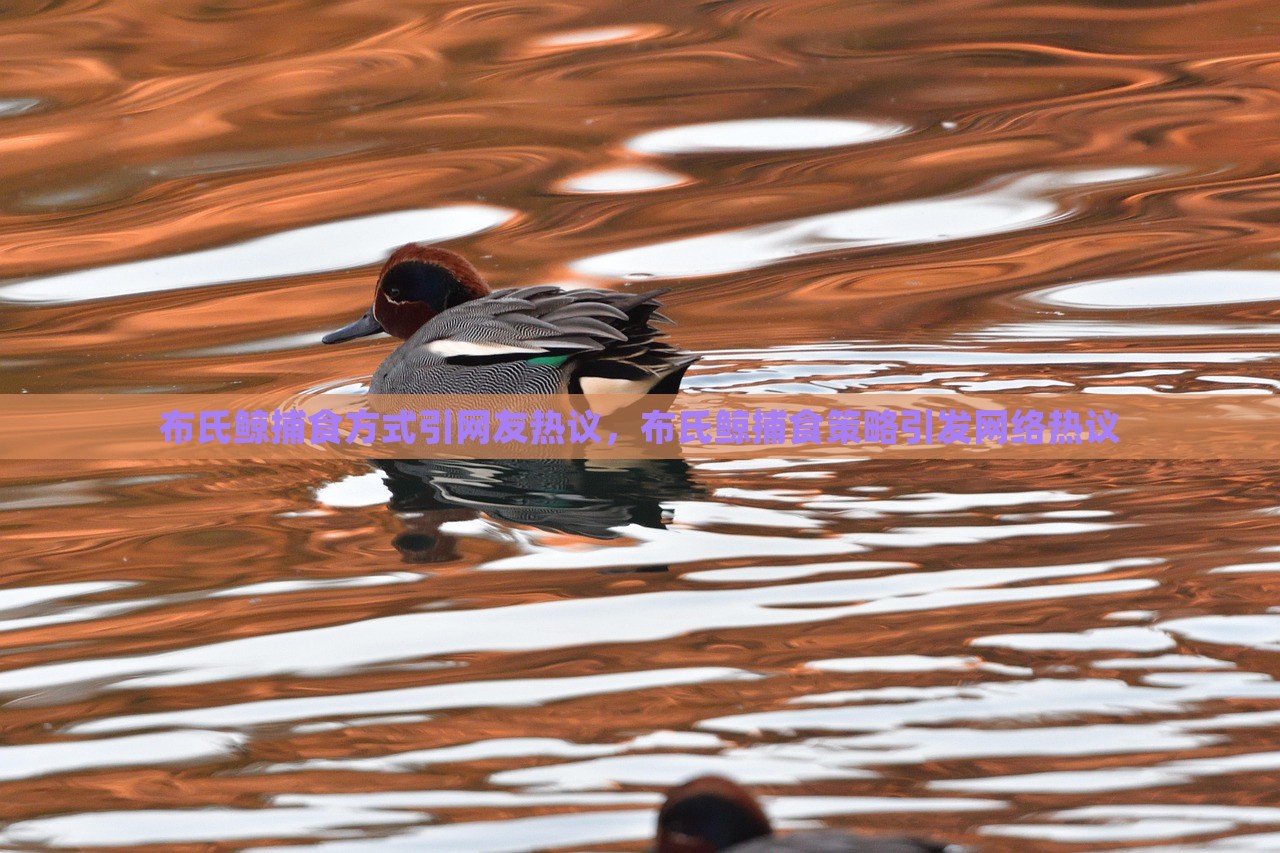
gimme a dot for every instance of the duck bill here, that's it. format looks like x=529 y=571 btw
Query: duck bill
x=366 y=325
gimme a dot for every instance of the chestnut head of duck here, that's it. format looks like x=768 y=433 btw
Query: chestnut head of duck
x=415 y=284
x=707 y=814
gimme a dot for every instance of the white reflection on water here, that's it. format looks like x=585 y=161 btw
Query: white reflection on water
x=561 y=624
x=178 y=826
x=1139 y=821
x=76 y=492
x=1123 y=639
x=1256 y=631
x=1070 y=330
x=707 y=513
x=764 y=134
x=1020 y=203
x=763 y=574
x=517 y=835
x=316 y=248
x=665 y=769
x=484 y=750
x=72 y=614
x=1164 y=662
x=665 y=547
x=594 y=36
x=406 y=762
x=669 y=547
x=88 y=612
x=355 y=490
x=43 y=759
x=1037 y=699
x=1118 y=778
x=622 y=179
x=1165 y=773
x=1151 y=829
x=929 y=503
x=17 y=106
x=275 y=343
x=915 y=745
x=916 y=663
x=1166 y=290
x=282 y=587
x=444 y=799
x=506 y=693
x=22 y=597
x=836 y=367
x=1265 y=842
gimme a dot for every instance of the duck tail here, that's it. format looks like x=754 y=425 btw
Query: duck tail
x=679 y=362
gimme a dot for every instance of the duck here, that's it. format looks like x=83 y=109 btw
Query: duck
x=460 y=337
x=712 y=814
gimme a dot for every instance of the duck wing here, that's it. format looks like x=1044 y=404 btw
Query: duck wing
x=541 y=340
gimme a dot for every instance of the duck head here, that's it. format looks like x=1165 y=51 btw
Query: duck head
x=707 y=814
x=416 y=283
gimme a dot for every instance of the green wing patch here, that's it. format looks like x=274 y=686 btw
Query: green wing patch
x=553 y=360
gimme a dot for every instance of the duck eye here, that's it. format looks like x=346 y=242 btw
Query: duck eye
x=394 y=293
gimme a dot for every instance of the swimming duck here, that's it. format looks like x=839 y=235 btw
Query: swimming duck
x=460 y=338
x=712 y=814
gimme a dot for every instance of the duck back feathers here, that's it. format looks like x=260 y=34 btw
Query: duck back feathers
x=538 y=340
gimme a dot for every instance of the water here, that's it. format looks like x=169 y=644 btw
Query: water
x=959 y=196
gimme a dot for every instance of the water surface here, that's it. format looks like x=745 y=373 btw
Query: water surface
x=954 y=196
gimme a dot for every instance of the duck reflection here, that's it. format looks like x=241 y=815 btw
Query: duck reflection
x=590 y=498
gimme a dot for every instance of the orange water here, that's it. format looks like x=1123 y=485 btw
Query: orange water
x=967 y=196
